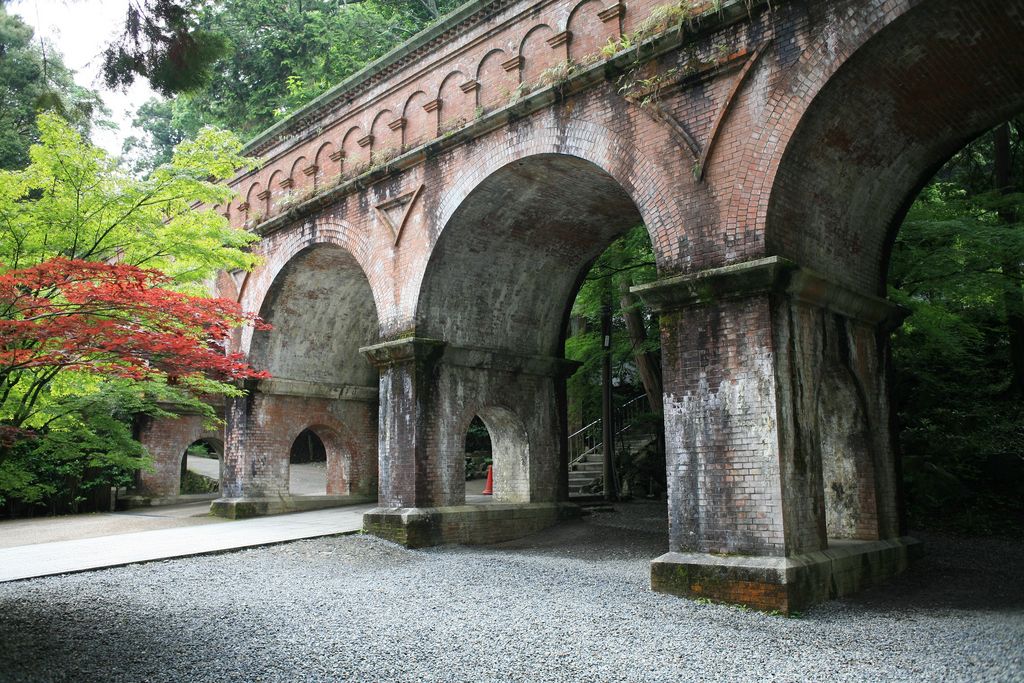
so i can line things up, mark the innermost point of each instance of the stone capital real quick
(400, 351)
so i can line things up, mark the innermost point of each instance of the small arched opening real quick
(307, 465)
(201, 467)
(479, 456)
(499, 441)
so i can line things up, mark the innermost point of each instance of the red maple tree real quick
(111, 319)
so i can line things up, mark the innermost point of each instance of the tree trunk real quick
(1013, 299)
(646, 362)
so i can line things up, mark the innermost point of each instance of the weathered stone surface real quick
(252, 506)
(784, 584)
(454, 205)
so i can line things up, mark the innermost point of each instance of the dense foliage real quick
(99, 314)
(629, 260)
(956, 265)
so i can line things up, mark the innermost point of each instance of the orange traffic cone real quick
(489, 487)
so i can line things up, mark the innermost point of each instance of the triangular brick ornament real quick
(395, 211)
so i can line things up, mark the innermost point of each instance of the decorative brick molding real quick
(559, 39)
(612, 12)
(512, 64)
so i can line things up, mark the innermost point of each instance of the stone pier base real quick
(467, 524)
(242, 508)
(785, 584)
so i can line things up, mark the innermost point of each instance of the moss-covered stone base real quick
(784, 584)
(242, 508)
(466, 524)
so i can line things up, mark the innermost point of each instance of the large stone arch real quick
(282, 247)
(870, 119)
(533, 226)
(315, 294)
(513, 242)
(644, 180)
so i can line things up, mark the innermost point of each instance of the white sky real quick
(80, 29)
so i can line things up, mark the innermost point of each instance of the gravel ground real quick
(569, 604)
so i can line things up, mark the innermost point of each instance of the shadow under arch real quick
(321, 311)
(512, 255)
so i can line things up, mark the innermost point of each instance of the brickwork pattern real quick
(166, 441)
(798, 130)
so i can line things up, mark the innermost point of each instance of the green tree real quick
(161, 135)
(178, 45)
(73, 202)
(629, 260)
(279, 56)
(33, 78)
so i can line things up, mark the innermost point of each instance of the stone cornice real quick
(278, 386)
(460, 21)
(770, 275)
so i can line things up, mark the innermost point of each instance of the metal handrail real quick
(590, 438)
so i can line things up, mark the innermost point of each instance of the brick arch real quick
(256, 206)
(340, 445)
(495, 82)
(296, 173)
(274, 185)
(166, 441)
(593, 142)
(281, 248)
(355, 155)
(326, 167)
(456, 105)
(420, 124)
(384, 138)
(587, 32)
(875, 124)
(510, 448)
(536, 54)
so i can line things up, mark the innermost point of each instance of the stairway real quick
(586, 448)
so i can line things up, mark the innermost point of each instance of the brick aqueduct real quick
(435, 213)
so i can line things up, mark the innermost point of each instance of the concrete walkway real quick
(82, 554)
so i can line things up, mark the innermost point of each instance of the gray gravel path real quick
(570, 604)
